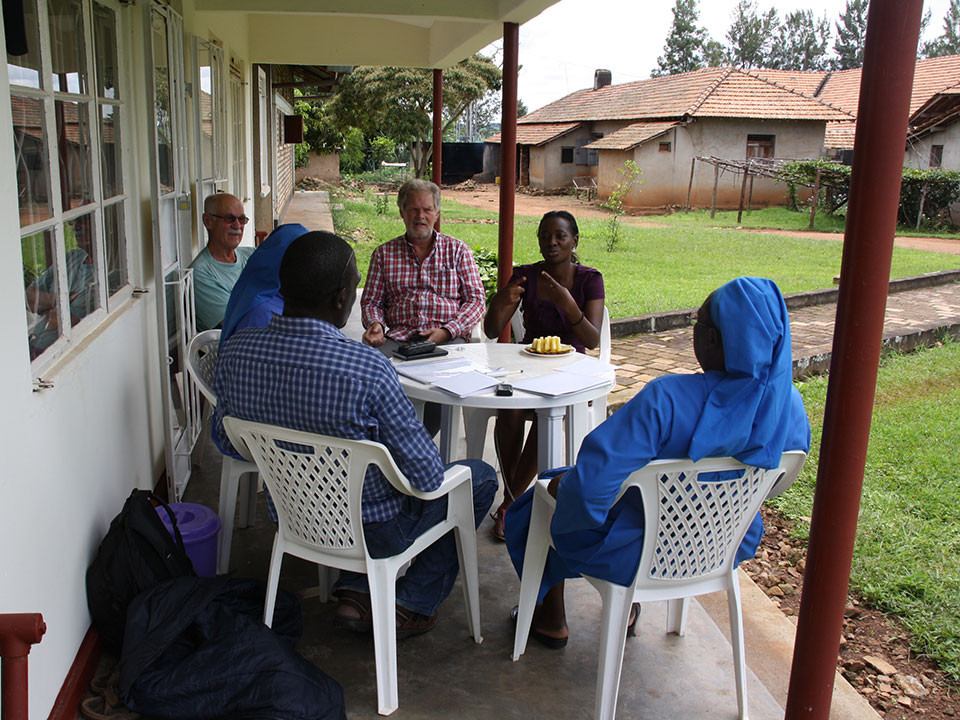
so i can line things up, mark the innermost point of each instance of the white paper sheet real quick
(430, 372)
(557, 384)
(466, 383)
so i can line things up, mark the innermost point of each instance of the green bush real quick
(301, 154)
(487, 263)
(352, 155)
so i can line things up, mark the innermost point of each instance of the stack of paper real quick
(557, 384)
(430, 372)
(465, 383)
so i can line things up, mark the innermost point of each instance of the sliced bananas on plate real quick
(549, 345)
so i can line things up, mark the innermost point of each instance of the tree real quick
(715, 54)
(683, 50)
(949, 42)
(802, 42)
(751, 35)
(396, 102)
(851, 32)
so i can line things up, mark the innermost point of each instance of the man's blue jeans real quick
(429, 579)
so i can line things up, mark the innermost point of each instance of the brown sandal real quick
(410, 623)
(497, 529)
(354, 612)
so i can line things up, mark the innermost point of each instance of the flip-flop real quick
(359, 603)
(554, 643)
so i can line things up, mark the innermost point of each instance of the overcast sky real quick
(560, 49)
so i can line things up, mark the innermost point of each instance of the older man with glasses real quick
(217, 267)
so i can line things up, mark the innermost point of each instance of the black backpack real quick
(136, 553)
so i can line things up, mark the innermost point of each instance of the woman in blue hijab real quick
(256, 296)
(743, 405)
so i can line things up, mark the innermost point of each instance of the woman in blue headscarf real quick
(743, 405)
(256, 296)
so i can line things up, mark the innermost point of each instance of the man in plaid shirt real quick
(302, 372)
(423, 284)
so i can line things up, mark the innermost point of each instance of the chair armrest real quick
(452, 477)
(542, 493)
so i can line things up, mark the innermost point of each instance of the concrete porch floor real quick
(444, 673)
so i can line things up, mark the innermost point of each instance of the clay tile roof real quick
(538, 133)
(711, 92)
(931, 76)
(744, 94)
(631, 135)
(804, 81)
(840, 135)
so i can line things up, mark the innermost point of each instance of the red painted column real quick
(437, 130)
(18, 631)
(508, 157)
(893, 28)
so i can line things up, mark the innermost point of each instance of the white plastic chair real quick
(475, 420)
(237, 477)
(693, 531)
(316, 482)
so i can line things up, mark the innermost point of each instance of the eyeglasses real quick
(231, 219)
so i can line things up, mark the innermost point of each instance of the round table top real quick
(510, 357)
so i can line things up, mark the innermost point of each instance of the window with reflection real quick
(161, 79)
(73, 241)
(24, 70)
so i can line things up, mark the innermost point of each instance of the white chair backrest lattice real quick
(700, 521)
(202, 361)
(696, 514)
(316, 482)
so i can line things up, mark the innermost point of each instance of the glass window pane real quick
(105, 51)
(205, 71)
(25, 69)
(82, 264)
(115, 243)
(161, 79)
(40, 290)
(30, 139)
(67, 51)
(111, 172)
(73, 139)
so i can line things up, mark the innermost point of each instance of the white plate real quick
(564, 350)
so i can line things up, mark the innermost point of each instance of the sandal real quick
(632, 624)
(96, 707)
(497, 529)
(410, 623)
(353, 612)
(554, 643)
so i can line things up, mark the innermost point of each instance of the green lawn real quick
(907, 555)
(655, 268)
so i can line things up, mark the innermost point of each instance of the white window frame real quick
(215, 181)
(71, 334)
(238, 136)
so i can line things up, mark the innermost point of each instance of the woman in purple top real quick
(561, 297)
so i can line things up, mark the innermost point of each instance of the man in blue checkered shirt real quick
(302, 372)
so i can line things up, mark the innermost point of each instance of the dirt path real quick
(487, 197)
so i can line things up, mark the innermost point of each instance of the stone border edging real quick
(658, 322)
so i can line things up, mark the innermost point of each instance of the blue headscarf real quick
(260, 280)
(750, 406)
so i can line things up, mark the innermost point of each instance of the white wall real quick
(72, 453)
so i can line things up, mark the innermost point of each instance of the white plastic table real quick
(550, 410)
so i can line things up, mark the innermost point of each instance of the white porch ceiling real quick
(413, 33)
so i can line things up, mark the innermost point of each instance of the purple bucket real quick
(199, 527)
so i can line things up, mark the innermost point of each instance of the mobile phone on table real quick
(504, 390)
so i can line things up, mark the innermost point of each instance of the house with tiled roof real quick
(662, 124)
(933, 137)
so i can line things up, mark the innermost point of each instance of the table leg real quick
(448, 434)
(578, 425)
(550, 437)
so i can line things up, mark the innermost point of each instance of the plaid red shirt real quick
(408, 296)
